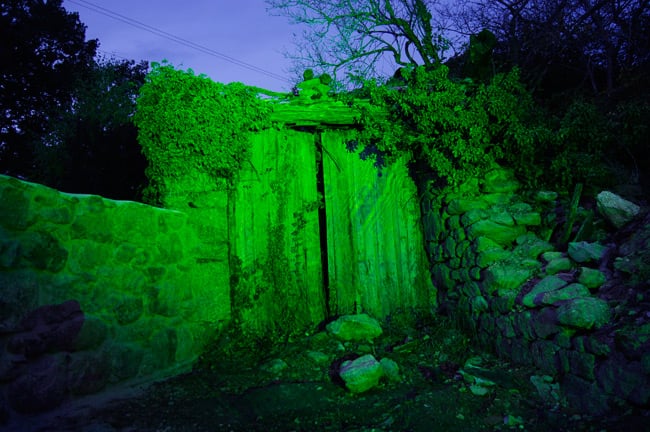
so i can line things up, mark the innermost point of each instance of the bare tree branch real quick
(351, 37)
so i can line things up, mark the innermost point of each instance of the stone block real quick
(530, 246)
(129, 309)
(583, 252)
(20, 289)
(616, 210)
(492, 256)
(551, 255)
(355, 327)
(582, 364)
(450, 247)
(523, 325)
(497, 198)
(43, 251)
(458, 206)
(543, 353)
(501, 234)
(361, 374)
(503, 277)
(564, 338)
(478, 305)
(505, 326)
(546, 197)
(584, 313)
(442, 276)
(568, 292)
(620, 377)
(480, 244)
(584, 396)
(391, 369)
(549, 283)
(470, 289)
(453, 223)
(545, 322)
(528, 218)
(473, 216)
(124, 359)
(47, 328)
(504, 303)
(501, 217)
(591, 278)
(558, 265)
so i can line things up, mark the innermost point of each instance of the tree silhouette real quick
(43, 54)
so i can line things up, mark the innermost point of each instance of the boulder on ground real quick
(616, 210)
(359, 327)
(361, 374)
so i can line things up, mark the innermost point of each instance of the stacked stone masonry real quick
(97, 292)
(528, 302)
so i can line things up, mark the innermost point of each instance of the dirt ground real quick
(293, 386)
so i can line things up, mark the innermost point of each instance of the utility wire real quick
(177, 39)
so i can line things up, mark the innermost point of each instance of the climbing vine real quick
(190, 122)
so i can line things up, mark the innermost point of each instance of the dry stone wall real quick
(530, 303)
(97, 292)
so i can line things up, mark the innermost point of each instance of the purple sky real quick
(241, 29)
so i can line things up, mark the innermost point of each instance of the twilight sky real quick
(239, 29)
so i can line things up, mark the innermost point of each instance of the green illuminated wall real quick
(150, 284)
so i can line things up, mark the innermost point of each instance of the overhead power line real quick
(142, 26)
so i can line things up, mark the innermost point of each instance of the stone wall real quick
(96, 292)
(534, 305)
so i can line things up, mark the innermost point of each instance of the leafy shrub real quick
(190, 122)
(458, 127)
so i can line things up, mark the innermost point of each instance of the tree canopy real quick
(43, 53)
(92, 147)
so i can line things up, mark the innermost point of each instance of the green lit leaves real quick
(458, 127)
(190, 122)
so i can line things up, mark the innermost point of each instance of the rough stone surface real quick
(549, 283)
(582, 252)
(591, 278)
(361, 374)
(616, 210)
(584, 313)
(391, 369)
(558, 265)
(359, 327)
(503, 277)
(564, 329)
(500, 234)
(96, 291)
(575, 290)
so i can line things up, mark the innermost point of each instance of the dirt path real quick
(242, 388)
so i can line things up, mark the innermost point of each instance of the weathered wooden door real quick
(315, 230)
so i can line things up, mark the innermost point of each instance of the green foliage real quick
(188, 122)
(459, 128)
